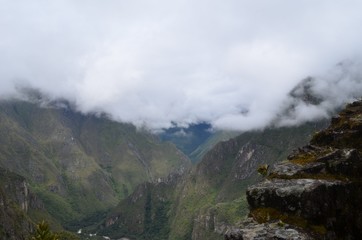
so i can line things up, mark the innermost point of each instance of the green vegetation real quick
(212, 195)
(67, 236)
(156, 220)
(219, 136)
(43, 232)
(82, 166)
(79, 166)
(196, 140)
(263, 169)
(187, 139)
(323, 176)
(215, 189)
(146, 216)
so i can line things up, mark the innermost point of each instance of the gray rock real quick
(288, 169)
(251, 230)
(305, 197)
(348, 163)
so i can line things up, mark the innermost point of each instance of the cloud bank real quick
(154, 63)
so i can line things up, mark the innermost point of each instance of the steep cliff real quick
(79, 165)
(16, 204)
(203, 202)
(145, 214)
(317, 193)
(213, 196)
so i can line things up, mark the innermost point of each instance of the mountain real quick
(211, 196)
(79, 165)
(196, 139)
(218, 136)
(89, 172)
(317, 193)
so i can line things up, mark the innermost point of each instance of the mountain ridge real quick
(203, 202)
(79, 165)
(155, 191)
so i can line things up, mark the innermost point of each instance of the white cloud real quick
(230, 63)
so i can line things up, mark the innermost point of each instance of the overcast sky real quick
(231, 63)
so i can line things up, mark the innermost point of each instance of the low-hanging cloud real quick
(319, 97)
(156, 63)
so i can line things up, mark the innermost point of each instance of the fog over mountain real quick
(153, 63)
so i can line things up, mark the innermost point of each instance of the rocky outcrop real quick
(15, 201)
(250, 229)
(317, 193)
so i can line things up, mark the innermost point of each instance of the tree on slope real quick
(43, 232)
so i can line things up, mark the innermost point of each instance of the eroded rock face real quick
(251, 230)
(290, 169)
(329, 203)
(15, 201)
(317, 194)
(345, 129)
(291, 195)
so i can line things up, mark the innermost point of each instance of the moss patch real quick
(304, 158)
(322, 176)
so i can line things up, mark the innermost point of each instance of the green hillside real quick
(213, 196)
(196, 139)
(218, 136)
(80, 165)
(85, 168)
(202, 203)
